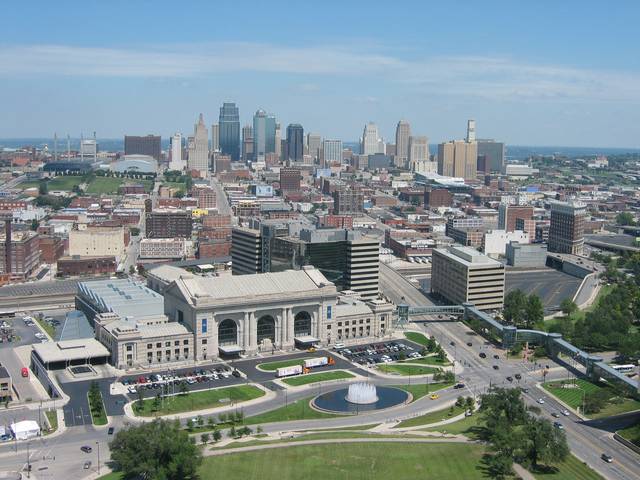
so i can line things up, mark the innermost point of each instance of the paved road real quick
(221, 198)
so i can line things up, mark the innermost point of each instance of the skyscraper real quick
(566, 231)
(143, 145)
(229, 124)
(199, 147)
(403, 132)
(264, 134)
(314, 143)
(277, 142)
(295, 143)
(370, 139)
(332, 151)
(175, 162)
(458, 158)
(247, 143)
(215, 137)
(493, 152)
(419, 155)
(471, 131)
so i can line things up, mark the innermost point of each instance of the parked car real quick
(497, 357)
(469, 344)
(510, 379)
(496, 367)
(236, 373)
(24, 371)
(518, 376)
(434, 396)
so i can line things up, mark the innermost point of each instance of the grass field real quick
(64, 183)
(431, 417)
(182, 187)
(52, 417)
(632, 434)
(406, 369)
(465, 427)
(431, 360)
(105, 185)
(369, 461)
(573, 397)
(273, 366)
(316, 377)
(298, 410)
(570, 469)
(420, 390)
(199, 400)
(416, 337)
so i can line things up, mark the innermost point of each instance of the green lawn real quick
(199, 400)
(111, 476)
(182, 187)
(298, 410)
(50, 329)
(317, 377)
(101, 418)
(105, 185)
(273, 366)
(370, 461)
(52, 417)
(631, 433)
(416, 337)
(431, 417)
(431, 360)
(465, 427)
(406, 369)
(420, 390)
(64, 182)
(573, 397)
(570, 469)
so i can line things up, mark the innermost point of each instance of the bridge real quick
(509, 336)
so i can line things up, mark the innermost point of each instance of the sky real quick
(530, 73)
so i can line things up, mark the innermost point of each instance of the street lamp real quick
(98, 447)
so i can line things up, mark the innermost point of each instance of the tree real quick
(183, 388)
(200, 421)
(158, 449)
(190, 424)
(132, 269)
(470, 404)
(568, 306)
(43, 188)
(204, 438)
(442, 356)
(595, 401)
(211, 423)
(217, 435)
(232, 432)
(34, 224)
(514, 305)
(534, 311)
(140, 400)
(543, 442)
(625, 218)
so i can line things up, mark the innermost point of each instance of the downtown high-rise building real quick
(471, 131)
(458, 158)
(247, 143)
(278, 142)
(175, 153)
(215, 137)
(264, 134)
(143, 145)
(494, 153)
(566, 230)
(295, 143)
(403, 132)
(198, 158)
(419, 155)
(332, 151)
(370, 142)
(314, 145)
(229, 124)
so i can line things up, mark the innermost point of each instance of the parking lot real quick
(552, 286)
(381, 352)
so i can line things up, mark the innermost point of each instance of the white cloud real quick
(480, 77)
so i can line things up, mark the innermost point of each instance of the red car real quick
(25, 372)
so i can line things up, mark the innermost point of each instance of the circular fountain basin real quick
(336, 401)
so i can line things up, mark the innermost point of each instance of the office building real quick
(566, 231)
(295, 143)
(21, 253)
(264, 135)
(175, 153)
(332, 151)
(508, 216)
(246, 251)
(458, 158)
(314, 145)
(277, 143)
(418, 153)
(206, 198)
(215, 137)
(247, 143)
(162, 248)
(229, 125)
(168, 223)
(403, 133)
(348, 200)
(370, 140)
(437, 197)
(494, 153)
(462, 274)
(471, 131)
(495, 241)
(145, 145)
(531, 255)
(6, 389)
(198, 158)
(289, 179)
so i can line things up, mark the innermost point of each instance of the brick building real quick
(51, 248)
(73, 266)
(437, 197)
(168, 224)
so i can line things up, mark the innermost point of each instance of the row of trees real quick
(515, 434)
(95, 401)
(523, 311)
(432, 346)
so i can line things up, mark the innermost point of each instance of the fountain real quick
(362, 393)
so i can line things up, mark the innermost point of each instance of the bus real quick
(624, 368)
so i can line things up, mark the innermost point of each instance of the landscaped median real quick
(595, 400)
(309, 378)
(96, 405)
(273, 366)
(194, 401)
(406, 370)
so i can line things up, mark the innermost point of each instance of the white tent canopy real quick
(25, 429)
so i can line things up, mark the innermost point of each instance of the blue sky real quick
(530, 73)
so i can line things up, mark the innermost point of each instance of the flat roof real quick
(229, 349)
(69, 350)
(306, 339)
(468, 256)
(126, 297)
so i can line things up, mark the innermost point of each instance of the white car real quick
(132, 389)
(225, 374)
(541, 401)
(566, 413)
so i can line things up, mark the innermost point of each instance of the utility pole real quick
(28, 461)
(98, 445)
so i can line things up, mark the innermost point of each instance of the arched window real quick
(266, 328)
(302, 324)
(228, 332)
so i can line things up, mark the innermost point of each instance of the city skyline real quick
(522, 87)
